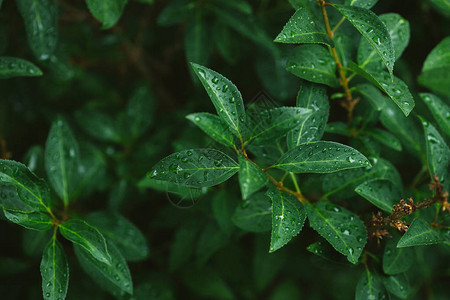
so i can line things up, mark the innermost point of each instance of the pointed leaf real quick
(373, 30)
(62, 156)
(33, 191)
(195, 167)
(225, 96)
(361, 3)
(385, 138)
(198, 38)
(288, 217)
(420, 233)
(10, 200)
(88, 237)
(108, 12)
(41, 24)
(381, 193)
(15, 67)
(251, 178)
(343, 229)
(30, 220)
(370, 287)
(396, 260)
(54, 271)
(213, 126)
(397, 285)
(313, 63)
(321, 157)
(439, 110)
(301, 29)
(254, 214)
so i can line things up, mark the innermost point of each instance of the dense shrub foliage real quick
(224, 149)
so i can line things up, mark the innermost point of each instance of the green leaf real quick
(15, 67)
(442, 6)
(54, 271)
(223, 208)
(265, 266)
(275, 123)
(385, 138)
(41, 24)
(398, 29)
(225, 96)
(239, 5)
(373, 30)
(198, 39)
(207, 283)
(286, 290)
(88, 237)
(436, 68)
(396, 89)
(397, 285)
(321, 157)
(381, 193)
(30, 220)
(33, 191)
(313, 63)
(98, 125)
(251, 178)
(288, 217)
(396, 260)
(213, 126)
(62, 156)
(370, 287)
(420, 233)
(338, 128)
(184, 244)
(345, 47)
(361, 3)
(254, 214)
(10, 200)
(108, 12)
(301, 29)
(195, 167)
(114, 277)
(372, 94)
(343, 229)
(311, 129)
(439, 110)
(210, 240)
(438, 153)
(175, 12)
(127, 237)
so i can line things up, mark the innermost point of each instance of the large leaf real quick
(33, 191)
(195, 167)
(321, 157)
(275, 123)
(381, 193)
(114, 278)
(373, 30)
(213, 126)
(30, 220)
(313, 63)
(301, 29)
(54, 271)
(421, 233)
(370, 287)
(288, 217)
(396, 260)
(439, 110)
(254, 214)
(41, 25)
(127, 237)
(88, 237)
(343, 229)
(108, 12)
(62, 156)
(225, 96)
(314, 97)
(251, 177)
(15, 67)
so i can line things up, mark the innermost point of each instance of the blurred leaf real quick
(439, 110)
(442, 6)
(397, 285)
(385, 138)
(338, 128)
(223, 207)
(99, 125)
(34, 160)
(108, 12)
(54, 271)
(370, 287)
(213, 126)
(372, 94)
(265, 265)
(396, 260)
(254, 214)
(210, 240)
(184, 244)
(239, 5)
(381, 193)
(175, 12)
(361, 3)
(15, 67)
(11, 266)
(34, 242)
(207, 283)
(198, 39)
(30, 220)
(286, 290)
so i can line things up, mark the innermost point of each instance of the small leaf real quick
(420, 233)
(381, 193)
(385, 138)
(251, 178)
(62, 156)
(30, 220)
(361, 3)
(213, 126)
(288, 217)
(33, 191)
(343, 229)
(195, 167)
(114, 277)
(127, 237)
(301, 29)
(225, 96)
(397, 285)
(254, 214)
(370, 287)
(15, 67)
(373, 30)
(41, 24)
(98, 125)
(321, 157)
(88, 237)
(439, 110)
(108, 12)
(396, 260)
(54, 271)
(313, 63)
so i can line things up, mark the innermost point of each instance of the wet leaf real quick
(108, 12)
(421, 233)
(251, 178)
(370, 287)
(397, 285)
(381, 193)
(15, 67)
(54, 271)
(30, 220)
(361, 3)
(396, 260)
(439, 110)
(213, 126)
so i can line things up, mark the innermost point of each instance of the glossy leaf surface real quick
(370, 287)
(15, 67)
(10, 200)
(251, 178)
(107, 12)
(361, 3)
(381, 193)
(420, 233)
(30, 220)
(54, 271)
(213, 126)
(439, 110)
